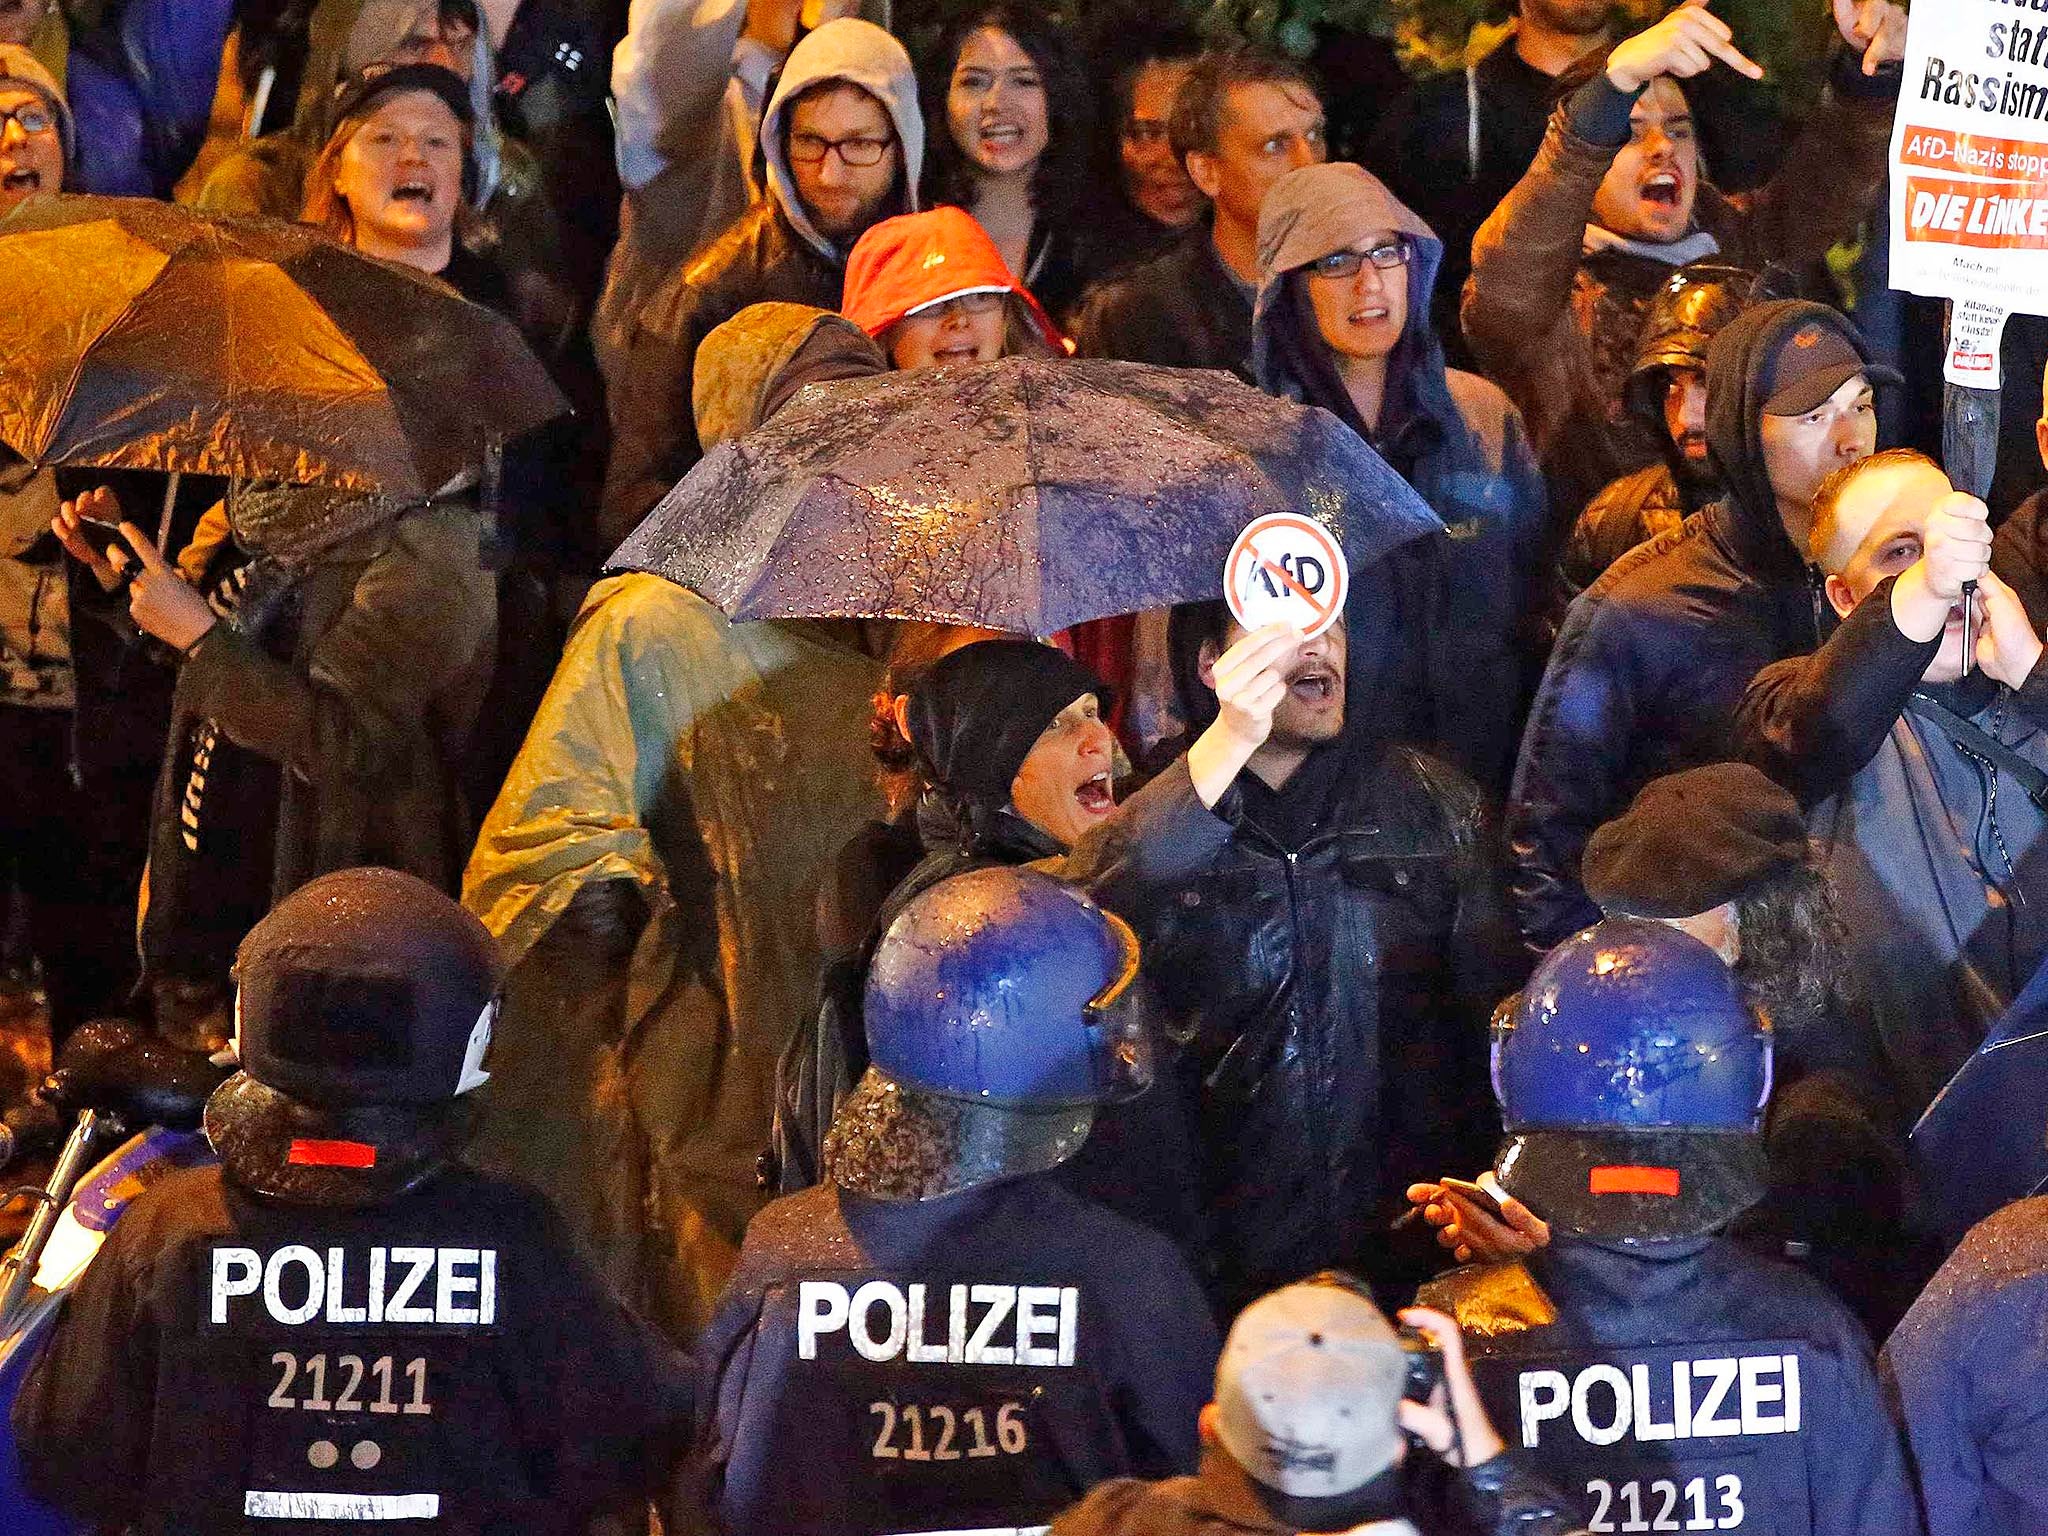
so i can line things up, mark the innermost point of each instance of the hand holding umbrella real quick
(161, 602)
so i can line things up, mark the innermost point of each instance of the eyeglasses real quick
(960, 304)
(33, 118)
(811, 149)
(1339, 265)
(1145, 132)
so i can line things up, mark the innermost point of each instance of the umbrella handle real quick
(163, 523)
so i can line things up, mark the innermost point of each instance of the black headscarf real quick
(975, 715)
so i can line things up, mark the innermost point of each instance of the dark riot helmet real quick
(1005, 987)
(366, 987)
(1632, 1079)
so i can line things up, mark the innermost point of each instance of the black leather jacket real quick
(1334, 1000)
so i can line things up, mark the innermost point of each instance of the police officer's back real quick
(1671, 1378)
(940, 1337)
(339, 1324)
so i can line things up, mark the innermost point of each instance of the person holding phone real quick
(1646, 1361)
(1314, 1426)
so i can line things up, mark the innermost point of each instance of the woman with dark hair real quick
(1012, 142)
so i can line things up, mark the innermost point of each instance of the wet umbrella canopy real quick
(1025, 495)
(145, 336)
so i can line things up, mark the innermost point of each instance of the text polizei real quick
(959, 1325)
(296, 1284)
(1688, 1400)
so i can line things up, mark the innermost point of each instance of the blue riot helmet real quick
(1632, 1079)
(1005, 987)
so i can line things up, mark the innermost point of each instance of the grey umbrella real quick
(1024, 495)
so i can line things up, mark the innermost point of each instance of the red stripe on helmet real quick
(331, 1154)
(1634, 1181)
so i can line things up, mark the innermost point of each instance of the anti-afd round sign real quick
(1286, 569)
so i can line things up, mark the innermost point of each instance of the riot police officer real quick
(1670, 1376)
(338, 1322)
(940, 1337)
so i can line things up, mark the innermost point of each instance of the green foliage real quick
(1435, 35)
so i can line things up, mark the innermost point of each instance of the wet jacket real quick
(1555, 315)
(1589, 1356)
(1965, 1370)
(1182, 309)
(370, 712)
(179, 1395)
(1118, 1362)
(773, 252)
(1450, 434)
(1654, 656)
(1933, 849)
(1633, 510)
(1333, 988)
(650, 869)
(1498, 1498)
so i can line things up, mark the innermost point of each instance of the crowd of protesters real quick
(1655, 840)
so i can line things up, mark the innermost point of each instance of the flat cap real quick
(1693, 840)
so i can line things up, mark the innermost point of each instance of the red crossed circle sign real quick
(1286, 569)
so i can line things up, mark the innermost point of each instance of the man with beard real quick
(1331, 969)
(844, 147)
(1564, 268)
(1667, 393)
(1241, 120)
(1655, 655)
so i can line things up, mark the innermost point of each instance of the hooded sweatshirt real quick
(1451, 434)
(1654, 656)
(859, 53)
(1681, 324)
(772, 253)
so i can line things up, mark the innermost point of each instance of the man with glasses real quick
(1241, 120)
(844, 146)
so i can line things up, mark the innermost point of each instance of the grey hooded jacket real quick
(772, 253)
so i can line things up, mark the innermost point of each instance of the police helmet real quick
(1632, 1079)
(1004, 986)
(366, 987)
